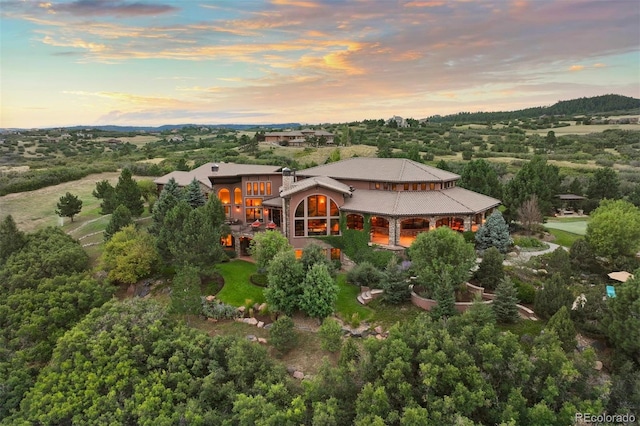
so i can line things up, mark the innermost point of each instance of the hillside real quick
(582, 106)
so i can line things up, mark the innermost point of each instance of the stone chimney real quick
(287, 178)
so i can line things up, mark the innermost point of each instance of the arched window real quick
(316, 215)
(225, 199)
(355, 221)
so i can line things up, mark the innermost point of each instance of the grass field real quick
(138, 141)
(320, 155)
(578, 227)
(238, 290)
(34, 210)
(347, 305)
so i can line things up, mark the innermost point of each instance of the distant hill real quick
(180, 126)
(582, 106)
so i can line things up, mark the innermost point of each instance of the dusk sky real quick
(91, 62)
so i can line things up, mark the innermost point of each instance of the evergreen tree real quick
(622, 320)
(535, 177)
(168, 199)
(185, 291)
(313, 254)
(171, 230)
(11, 238)
(120, 218)
(445, 296)
(561, 323)
(491, 270)
(395, 286)
(604, 183)
(319, 292)
(193, 194)
(107, 193)
(504, 305)
(128, 193)
(494, 233)
(330, 335)
(552, 297)
(69, 205)
(282, 334)
(285, 275)
(480, 176)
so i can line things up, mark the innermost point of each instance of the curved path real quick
(524, 256)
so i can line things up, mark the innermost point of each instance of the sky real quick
(138, 62)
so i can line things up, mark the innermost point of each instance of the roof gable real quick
(322, 181)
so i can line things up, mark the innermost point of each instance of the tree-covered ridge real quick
(592, 105)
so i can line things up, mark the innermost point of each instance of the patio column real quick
(394, 231)
(467, 223)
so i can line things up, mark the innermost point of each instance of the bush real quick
(231, 253)
(529, 242)
(282, 335)
(491, 271)
(261, 280)
(218, 310)
(526, 292)
(330, 335)
(365, 274)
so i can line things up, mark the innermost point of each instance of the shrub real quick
(552, 297)
(529, 242)
(231, 253)
(282, 335)
(491, 271)
(218, 310)
(526, 292)
(494, 232)
(365, 274)
(330, 335)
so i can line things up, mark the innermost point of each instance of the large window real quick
(225, 199)
(259, 188)
(316, 215)
(355, 221)
(253, 209)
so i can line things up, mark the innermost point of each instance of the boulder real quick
(210, 298)
(262, 340)
(250, 321)
(262, 307)
(378, 330)
(298, 375)
(251, 338)
(242, 309)
(598, 366)
(260, 324)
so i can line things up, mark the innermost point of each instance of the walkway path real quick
(524, 256)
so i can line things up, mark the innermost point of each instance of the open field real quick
(33, 210)
(319, 155)
(138, 141)
(584, 130)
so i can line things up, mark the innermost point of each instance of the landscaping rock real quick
(378, 330)
(260, 324)
(262, 307)
(210, 298)
(262, 340)
(242, 309)
(379, 337)
(598, 366)
(298, 375)
(212, 320)
(239, 320)
(251, 338)
(250, 321)
(291, 369)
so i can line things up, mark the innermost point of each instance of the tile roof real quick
(203, 173)
(381, 170)
(323, 181)
(418, 203)
(272, 202)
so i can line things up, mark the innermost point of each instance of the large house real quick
(298, 137)
(395, 199)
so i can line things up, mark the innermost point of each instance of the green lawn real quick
(564, 238)
(574, 226)
(238, 290)
(347, 304)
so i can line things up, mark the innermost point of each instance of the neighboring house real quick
(396, 199)
(298, 137)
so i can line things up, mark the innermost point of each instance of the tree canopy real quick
(536, 177)
(480, 176)
(266, 245)
(442, 251)
(614, 229)
(129, 255)
(494, 233)
(69, 205)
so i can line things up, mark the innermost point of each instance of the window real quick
(259, 188)
(394, 187)
(355, 221)
(376, 186)
(414, 187)
(237, 196)
(224, 196)
(423, 186)
(314, 217)
(253, 209)
(432, 186)
(406, 186)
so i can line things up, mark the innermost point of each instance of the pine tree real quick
(168, 199)
(107, 193)
(128, 193)
(561, 323)
(491, 271)
(504, 305)
(69, 205)
(282, 335)
(395, 286)
(11, 238)
(494, 233)
(193, 194)
(445, 296)
(552, 297)
(120, 218)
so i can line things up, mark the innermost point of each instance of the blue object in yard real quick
(611, 291)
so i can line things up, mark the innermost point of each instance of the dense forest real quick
(598, 105)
